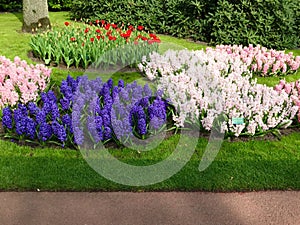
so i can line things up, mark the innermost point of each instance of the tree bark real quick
(35, 15)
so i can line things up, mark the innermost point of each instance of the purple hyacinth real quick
(92, 128)
(106, 120)
(51, 96)
(142, 126)
(157, 109)
(30, 128)
(147, 91)
(66, 90)
(59, 131)
(99, 124)
(67, 122)
(23, 109)
(78, 136)
(32, 107)
(7, 118)
(65, 103)
(40, 116)
(124, 95)
(107, 134)
(45, 131)
(121, 84)
(105, 91)
(20, 121)
(72, 83)
(115, 92)
(55, 114)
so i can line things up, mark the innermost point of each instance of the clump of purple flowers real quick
(46, 120)
(88, 111)
(115, 112)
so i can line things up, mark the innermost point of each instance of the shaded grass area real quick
(251, 165)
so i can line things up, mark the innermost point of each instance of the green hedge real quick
(10, 6)
(271, 23)
(16, 6)
(181, 18)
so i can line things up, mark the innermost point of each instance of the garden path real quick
(155, 208)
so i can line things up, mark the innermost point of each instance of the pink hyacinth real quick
(21, 82)
(288, 88)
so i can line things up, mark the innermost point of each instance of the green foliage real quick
(270, 23)
(181, 18)
(16, 5)
(10, 6)
(59, 5)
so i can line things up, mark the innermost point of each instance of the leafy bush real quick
(180, 18)
(59, 5)
(20, 82)
(87, 110)
(10, 6)
(270, 23)
(103, 45)
(16, 5)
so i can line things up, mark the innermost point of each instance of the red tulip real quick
(130, 27)
(86, 30)
(112, 38)
(73, 39)
(114, 25)
(153, 36)
(98, 31)
(108, 33)
(107, 26)
(97, 21)
(92, 39)
(140, 28)
(67, 23)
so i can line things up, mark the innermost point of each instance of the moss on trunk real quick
(42, 24)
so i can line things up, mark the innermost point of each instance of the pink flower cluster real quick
(261, 61)
(293, 90)
(20, 82)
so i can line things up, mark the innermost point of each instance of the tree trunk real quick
(35, 15)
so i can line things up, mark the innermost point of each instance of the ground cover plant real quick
(81, 45)
(249, 165)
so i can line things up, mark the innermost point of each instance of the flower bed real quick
(81, 45)
(21, 82)
(203, 85)
(262, 61)
(293, 90)
(87, 111)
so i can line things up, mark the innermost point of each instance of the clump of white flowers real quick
(205, 84)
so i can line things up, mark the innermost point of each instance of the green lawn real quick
(249, 165)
